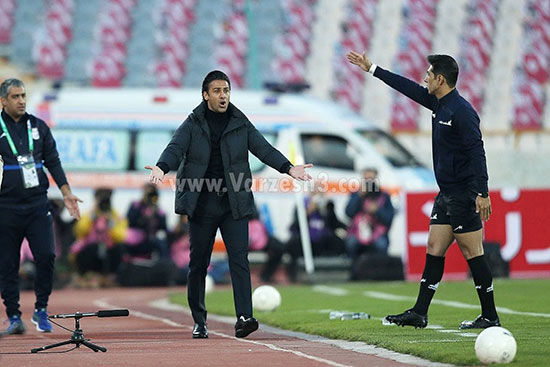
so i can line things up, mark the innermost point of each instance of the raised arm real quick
(411, 89)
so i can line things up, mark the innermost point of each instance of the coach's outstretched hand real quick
(299, 172)
(157, 175)
(359, 59)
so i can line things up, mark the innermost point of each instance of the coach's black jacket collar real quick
(236, 120)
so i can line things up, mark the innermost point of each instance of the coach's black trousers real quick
(213, 212)
(35, 224)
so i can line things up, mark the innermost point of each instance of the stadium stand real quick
(496, 113)
(376, 101)
(357, 33)
(7, 9)
(79, 50)
(209, 14)
(231, 46)
(415, 44)
(112, 35)
(52, 38)
(329, 14)
(265, 21)
(476, 52)
(26, 12)
(535, 65)
(173, 31)
(292, 45)
(142, 49)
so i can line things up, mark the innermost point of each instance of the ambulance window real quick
(326, 151)
(390, 148)
(255, 164)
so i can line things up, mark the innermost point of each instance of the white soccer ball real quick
(208, 284)
(495, 345)
(266, 298)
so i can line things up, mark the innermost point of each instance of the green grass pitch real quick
(306, 309)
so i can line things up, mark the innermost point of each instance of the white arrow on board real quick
(513, 236)
(541, 256)
(420, 238)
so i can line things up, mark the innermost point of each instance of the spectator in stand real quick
(261, 240)
(100, 238)
(63, 229)
(324, 228)
(371, 213)
(180, 249)
(147, 226)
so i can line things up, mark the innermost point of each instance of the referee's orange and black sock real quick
(483, 281)
(433, 272)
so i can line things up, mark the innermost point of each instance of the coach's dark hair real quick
(211, 76)
(444, 65)
(8, 84)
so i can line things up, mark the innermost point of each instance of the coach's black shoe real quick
(200, 332)
(479, 323)
(408, 318)
(245, 326)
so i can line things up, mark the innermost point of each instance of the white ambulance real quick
(106, 136)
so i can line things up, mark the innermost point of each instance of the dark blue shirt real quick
(458, 153)
(12, 191)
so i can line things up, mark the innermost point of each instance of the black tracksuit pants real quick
(213, 212)
(35, 224)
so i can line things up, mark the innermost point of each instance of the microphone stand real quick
(77, 338)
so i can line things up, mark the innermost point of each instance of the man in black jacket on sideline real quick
(27, 146)
(214, 189)
(461, 174)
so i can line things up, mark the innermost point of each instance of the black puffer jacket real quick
(189, 153)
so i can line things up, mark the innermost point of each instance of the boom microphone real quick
(103, 313)
(112, 313)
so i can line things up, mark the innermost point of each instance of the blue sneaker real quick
(40, 319)
(16, 325)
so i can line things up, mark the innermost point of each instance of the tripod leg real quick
(66, 342)
(93, 346)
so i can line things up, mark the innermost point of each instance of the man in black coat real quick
(214, 189)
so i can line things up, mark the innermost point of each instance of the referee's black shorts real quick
(457, 209)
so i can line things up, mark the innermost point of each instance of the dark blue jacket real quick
(12, 192)
(458, 154)
(383, 215)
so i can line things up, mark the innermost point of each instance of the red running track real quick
(159, 337)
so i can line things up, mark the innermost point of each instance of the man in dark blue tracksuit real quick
(26, 147)
(461, 173)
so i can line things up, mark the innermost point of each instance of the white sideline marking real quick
(471, 335)
(358, 347)
(393, 297)
(437, 341)
(333, 291)
(163, 303)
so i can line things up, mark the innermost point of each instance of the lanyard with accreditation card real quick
(26, 161)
